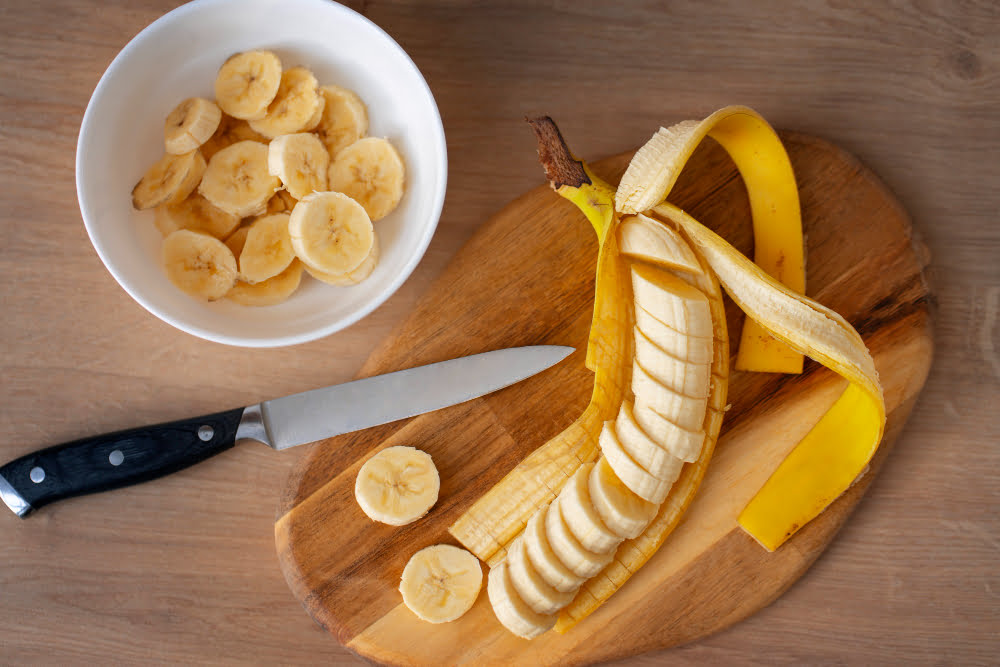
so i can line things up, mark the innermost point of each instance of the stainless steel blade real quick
(352, 406)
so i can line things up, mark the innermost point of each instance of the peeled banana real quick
(440, 583)
(397, 486)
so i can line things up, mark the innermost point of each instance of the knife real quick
(114, 460)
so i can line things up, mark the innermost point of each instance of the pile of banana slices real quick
(273, 178)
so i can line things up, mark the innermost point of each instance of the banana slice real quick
(231, 131)
(513, 612)
(300, 161)
(397, 486)
(625, 513)
(272, 291)
(247, 83)
(195, 213)
(190, 124)
(199, 264)
(583, 520)
(688, 412)
(678, 442)
(637, 434)
(672, 301)
(673, 373)
(267, 250)
(530, 585)
(440, 583)
(344, 119)
(317, 116)
(371, 172)
(643, 238)
(169, 181)
(237, 180)
(354, 276)
(541, 556)
(569, 551)
(293, 106)
(628, 471)
(693, 349)
(331, 232)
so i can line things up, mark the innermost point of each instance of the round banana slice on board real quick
(197, 214)
(397, 486)
(267, 250)
(294, 105)
(440, 583)
(272, 291)
(331, 232)
(513, 612)
(371, 172)
(190, 124)
(344, 119)
(237, 180)
(247, 84)
(169, 181)
(231, 130)
(351, 277)
(301, 161)
(199, 264)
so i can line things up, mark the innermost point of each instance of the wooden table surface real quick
(183, 570)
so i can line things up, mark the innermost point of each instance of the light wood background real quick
(183, 570)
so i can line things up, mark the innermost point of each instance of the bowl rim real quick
(391, 288)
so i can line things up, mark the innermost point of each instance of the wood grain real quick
(183, 570)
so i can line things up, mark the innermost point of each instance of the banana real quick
(540, 554)
(267, 250)
(169, 181)
(369, 171)
(672, 301)
(195, 213)
(247, 83)
(632, 475)
(693, 349)
(317, 116)
(583, 519)
(344, 119)
(440, 583)
(237, 240)
(625, 513)
(237, 180)
(642, 238)
(354, 276)
(231, 130)
(532, 586)
(270, 292)
(281, 202)
(673, 373)
(581, 561)
(688, 412)
(300, 161)
(190, 124)
(644, 445)
(677, 442)
(513, 612)
(397, 486)
(199, 264)
(331, 232)
(293, 106)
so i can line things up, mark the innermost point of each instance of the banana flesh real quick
(397, 486)
(536, 543)
(354, 276)
(369, 171)
(195, 213)
(530, 585)
(620, 509)
(300, 161)
(169, 181)
(270, 292)
(199, 264)
(247, 83)
(344, 119)
(293, 106)
(230, 131)
(331, 232)
(440, 583)
(511, 610)
(190, 124)
(582, 517)
(267, 250)
(237, 180)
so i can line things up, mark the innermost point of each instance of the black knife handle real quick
(114, 460)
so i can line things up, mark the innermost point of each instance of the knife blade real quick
(123, 458)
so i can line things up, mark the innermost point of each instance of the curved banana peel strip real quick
(838, 448)
(774, 205)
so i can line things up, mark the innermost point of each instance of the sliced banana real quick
(513, 612)
(272, 291)
(693, 349)
(621, 510)
(672, 301)
(677, 442)
(190, 124)
(169, 181)
(268, 248)
(397, 486)
(567, 548)
(530, 585)
(545, 561)
(300, 161)
(199, 264)
(631, 474)
(441, 583)
(646, 239)
(293, 106)
(681, 376)
(317, 116)
(331, 232)
(237, 240)
(583, 519)
(247, 83)
(237, 180)
(195, 213)
(344, 119)
(354, 276)
(231, 130)
(688, 412)
(371, 172)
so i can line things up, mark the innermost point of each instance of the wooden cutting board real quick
(527, 277)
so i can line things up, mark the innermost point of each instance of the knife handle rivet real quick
(205, 433)
(116, 457)
(37, 475)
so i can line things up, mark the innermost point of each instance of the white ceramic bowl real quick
(177, 57)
